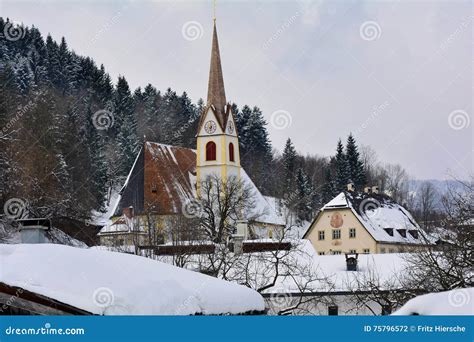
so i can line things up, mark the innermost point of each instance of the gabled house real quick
(364, 222)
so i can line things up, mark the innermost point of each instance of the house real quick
(49, 279)
(165, 180)
(364, 222)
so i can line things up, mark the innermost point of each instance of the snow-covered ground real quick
(454, 302)
(109, 283)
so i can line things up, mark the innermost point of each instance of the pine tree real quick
(123, 105)
(304, 200)
(342, 172)
(355, 165)
(289, 163)
(329, 189)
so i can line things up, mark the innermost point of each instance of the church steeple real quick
(216, 91)
(217, 141)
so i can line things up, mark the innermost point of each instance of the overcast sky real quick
(396, 74)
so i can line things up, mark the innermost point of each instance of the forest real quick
(70, 134)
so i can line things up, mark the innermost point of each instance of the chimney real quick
(34, 230)
(128, 212)
(240, 236)
(367, 189)
(238, 244)
(242, 228)
(351, 261)
(375, 189)
(350, 187)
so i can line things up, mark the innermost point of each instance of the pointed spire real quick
(216, 91)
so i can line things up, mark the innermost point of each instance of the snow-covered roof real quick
(108, 283)
(454, 302)
(331, 270)
(11, 235)
(384, 219)
(171, 171)
(123, 224)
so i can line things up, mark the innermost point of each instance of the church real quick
(164, 180)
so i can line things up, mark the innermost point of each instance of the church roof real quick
(163, 181)
(216, 99)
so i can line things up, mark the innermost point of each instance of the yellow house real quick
(355, 222)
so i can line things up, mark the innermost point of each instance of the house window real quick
(366, 250)
(321, 235)
(391, 250)
(382, 250)
(336, 252)
(321, 253)
(333, 310)
(211, 150)
(336, 234)
(352, 233)
(402, 232)
(386, 310)
(352, 251)
(231, 152)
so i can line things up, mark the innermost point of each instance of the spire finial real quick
(214, 8)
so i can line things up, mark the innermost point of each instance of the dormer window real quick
(389, 231)
(413, 233)
(402, 232)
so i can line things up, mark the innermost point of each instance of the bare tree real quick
(223, 203)
(448, 264)
(426, 204)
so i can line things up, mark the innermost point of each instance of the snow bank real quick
(108, 283)
(454, 302)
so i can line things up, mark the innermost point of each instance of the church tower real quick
(217, 139)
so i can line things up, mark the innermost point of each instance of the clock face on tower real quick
(210, 127)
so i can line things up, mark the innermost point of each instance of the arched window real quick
(211, 150)
(231, 152)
